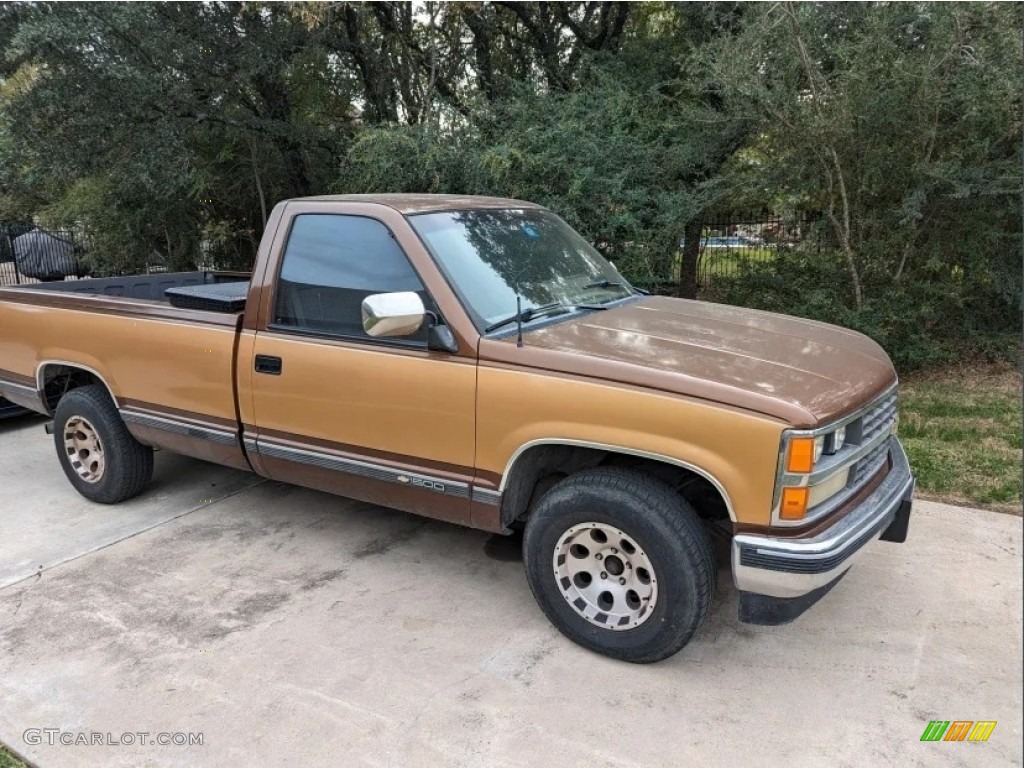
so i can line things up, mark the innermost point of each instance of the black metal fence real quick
(29, 254)
(728, 241)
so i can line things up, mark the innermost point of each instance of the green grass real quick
(962, 432)
(7, 760)
(719, 262)
(726, 262)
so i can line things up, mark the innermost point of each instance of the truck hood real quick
(801, 371)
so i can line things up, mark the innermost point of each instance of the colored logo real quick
(958, 730)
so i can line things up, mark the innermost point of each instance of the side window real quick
(331, 263)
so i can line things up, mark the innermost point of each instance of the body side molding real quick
(362, 468)
(486, 496)
(179, 426)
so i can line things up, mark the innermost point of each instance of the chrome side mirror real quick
(393, 314)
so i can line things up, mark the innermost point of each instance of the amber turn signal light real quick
(801, 455)
(794, 503)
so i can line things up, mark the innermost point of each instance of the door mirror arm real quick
(439, 336)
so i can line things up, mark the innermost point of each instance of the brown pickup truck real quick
(475, 360)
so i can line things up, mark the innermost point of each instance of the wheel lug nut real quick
(622, 581)
(599, 556)
(604, 575)
(615, 551)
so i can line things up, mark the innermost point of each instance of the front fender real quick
(736, 450)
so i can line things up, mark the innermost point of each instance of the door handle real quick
(268, 364)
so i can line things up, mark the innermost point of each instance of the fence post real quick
(690, 258)
(14, 261)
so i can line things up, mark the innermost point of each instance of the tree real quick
(184, 117)
(625, 141)
(170, 129)
(901, 121)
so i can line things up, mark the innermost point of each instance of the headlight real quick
(837, 440)
(795, 496)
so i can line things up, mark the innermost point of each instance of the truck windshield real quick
(491, 255)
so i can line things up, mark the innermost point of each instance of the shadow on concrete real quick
(22, 421)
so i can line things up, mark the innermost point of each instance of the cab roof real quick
(420, 203)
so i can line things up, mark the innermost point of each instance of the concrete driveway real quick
(293, 628)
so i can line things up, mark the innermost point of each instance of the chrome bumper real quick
(782, 577)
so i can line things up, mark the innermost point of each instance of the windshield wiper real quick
(527, 315)
(606, 284)
(629, 289)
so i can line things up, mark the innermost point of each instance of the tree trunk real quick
(691, 257)
(259, 183)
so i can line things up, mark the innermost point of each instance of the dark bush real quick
(919, 323)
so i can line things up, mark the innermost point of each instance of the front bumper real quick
(779, 578)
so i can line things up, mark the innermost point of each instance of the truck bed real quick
(159, 359)
(130, 295)
(151, 287)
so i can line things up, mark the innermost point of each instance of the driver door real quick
(382, 420)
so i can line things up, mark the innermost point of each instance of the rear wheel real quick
(99, 456)
(620, 564)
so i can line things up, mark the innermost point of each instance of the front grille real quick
(880, 418)
(866, 468)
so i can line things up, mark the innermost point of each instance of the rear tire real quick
(95, 449)
(620, 564)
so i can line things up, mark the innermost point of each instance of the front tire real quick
(620, 564)
(95, 449)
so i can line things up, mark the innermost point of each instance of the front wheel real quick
(97, 453)
(620, 564)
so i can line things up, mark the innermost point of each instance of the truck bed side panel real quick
(170, 370)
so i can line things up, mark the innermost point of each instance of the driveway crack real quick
(205, 505)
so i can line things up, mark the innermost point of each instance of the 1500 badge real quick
(422, 482)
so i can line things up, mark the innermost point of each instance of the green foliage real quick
(627, 158)
(920, 323)
(152, 124)
(902, 122)
(7, 760)
(168, 130)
